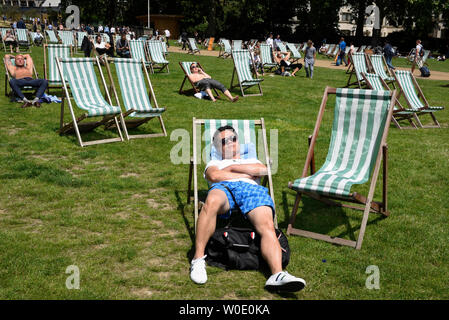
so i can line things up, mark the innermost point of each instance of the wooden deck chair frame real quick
(399, 113)
(194, 88)
(8, 77)
(76, 125)
(388, 72)
(52, 84)
(154, 65)
(426, 110)
(225, 51)
(192, 46)
(368, 205)
(242, 83)
(134, 123)
(193, 170)
(352, 70)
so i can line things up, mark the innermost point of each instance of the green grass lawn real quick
(118, 211)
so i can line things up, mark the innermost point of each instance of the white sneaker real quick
(283, 281)
(198, 270)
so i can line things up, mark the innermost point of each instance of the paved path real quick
(435, 75)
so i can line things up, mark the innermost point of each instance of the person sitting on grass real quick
(122, 47)
(239, 176)
(22, 75)
(205, 83)
(282, 58)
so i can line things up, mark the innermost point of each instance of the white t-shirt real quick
(270, 42)
(100, 45)
(167, 33)
(221, 164)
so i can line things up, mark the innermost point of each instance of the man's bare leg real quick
(210, 94)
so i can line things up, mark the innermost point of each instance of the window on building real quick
(346, 17)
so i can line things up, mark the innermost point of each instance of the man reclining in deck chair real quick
(239, 176)
(22, 76)
(205, 83)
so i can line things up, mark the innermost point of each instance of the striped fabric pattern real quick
(133, 88)
(227, 45)
(236, 44)
(408, 88)
(375, 82)
(137, 50)
(66, 37)
(193, 44)
(105, 37)
(358, 59)
(379, 67)
(245, 130)
(242, 60)
(22, 35)
(155, 49)
(56, 51)
(186, 66)
(359, 122)
(79, 37)
(266, 56)
(51, 34)
(80, 75)
(4, 31)
(296, 54)
(281, 46)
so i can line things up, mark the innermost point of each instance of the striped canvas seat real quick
(52, 36)
(157, 56)
(236, 44)
(242, 66)
(358, 66)
(359, 121)
(295, 53)
(267, 56)
(22, 35)
(137, 50)
(66, 37)
(192, 46)
(53, 51)
(281, 46)
(225, 48)
(377, 61)
(80, 75)
(133, 88)
(79, 38)
(253, 144)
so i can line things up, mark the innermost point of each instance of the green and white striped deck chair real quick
(243, 66)
(185, 66)
(66, 37)
(281, 46)
(22, 38)
(140, 104)
(8, 77)
(157, 56)
(266, 56)
(361, 49)
(414, 96)
(79, 38)
(253, 144)
(79, 75)
(192, 46)
(423, 60)
(52, 36)
(357, 148)
(296, 55)
(375, 82)
(357, 67)
(105, 37)
(138, 51)
(379, 65)
(334, 52)
(51, 73)
(237, 44)
(225, 49)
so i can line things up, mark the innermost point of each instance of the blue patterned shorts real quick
(247, 196)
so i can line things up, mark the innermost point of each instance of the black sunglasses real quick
(225, 141)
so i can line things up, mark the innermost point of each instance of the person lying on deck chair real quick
(282, 58)
(22, 76)
(205, 83)
(239, 176)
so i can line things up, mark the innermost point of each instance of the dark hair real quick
(216, 141)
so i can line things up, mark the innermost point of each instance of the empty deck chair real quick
(157, 57)
(138, 51)
(266, 56)
(140, 104)
(22, 39)
(51, 73)
(296, 55)
(375, 82)
(379, 65)
(356, 68)
(185, 66)
(225, 49)
(249, 138)
(52, 38)
(192, 46)
(67, 37)
(78, 74)
(243, 66)
(356, 150)
(415, 98)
